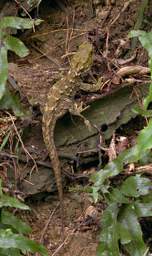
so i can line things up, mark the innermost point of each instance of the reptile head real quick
(82, 59)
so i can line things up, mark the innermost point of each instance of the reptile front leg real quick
(76, 110)
(91, 87)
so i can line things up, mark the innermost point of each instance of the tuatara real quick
(59, 101)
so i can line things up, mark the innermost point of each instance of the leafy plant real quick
(133, 199)
(120, 221)
(13, 241)
(11, 43)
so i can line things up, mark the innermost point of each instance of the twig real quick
(46, 55)
(22, 144)
(47, 224)
(24, 9)
(13, 160)
(62, 244)
(123, 10)
(144, 169)
(67, 37)
(72, 29)
(38, 35)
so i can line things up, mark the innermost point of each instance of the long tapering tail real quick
(48, 135)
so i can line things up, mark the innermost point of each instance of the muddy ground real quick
(65, 26)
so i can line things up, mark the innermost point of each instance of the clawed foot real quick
(77, 109)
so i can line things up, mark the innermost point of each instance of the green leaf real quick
(145, 38)
(5, 140)
(135, 186)
(16, 45)
(3, 70)
(130, 232)
(12, 101)
(144, 143)
(148, 99)
(117, 196)
(110, 170)
(150, 66)
(113, 168)
(7, 201)
(10, 240)
(95, 193)
(147, 199)
(10, 252)
(144, 139)
(143, 112)
(1, 192)
(8, 218)
(109, 236)
(146, 158)
(143, 209)
(18, 23)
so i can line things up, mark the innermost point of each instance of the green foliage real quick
(133, 199)
(5, 140)
(146, 40)
(11, 43)
(3, 70)
(18, 23)
(12, 101)
(120, 221)
(12, 230)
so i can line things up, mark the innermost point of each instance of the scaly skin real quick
(59, 101)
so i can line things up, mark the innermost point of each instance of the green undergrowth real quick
(121, 232)
(13, 231)
(9, 100)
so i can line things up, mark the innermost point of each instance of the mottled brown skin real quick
(59, 101)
